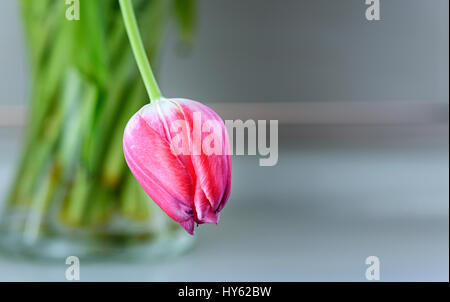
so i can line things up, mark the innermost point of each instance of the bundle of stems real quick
(85, 87)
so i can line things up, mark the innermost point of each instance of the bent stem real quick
(139, 51)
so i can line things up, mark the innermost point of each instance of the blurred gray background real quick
(363, 159)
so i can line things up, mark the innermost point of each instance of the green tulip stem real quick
(137, 46)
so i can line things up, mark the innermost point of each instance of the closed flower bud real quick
(179, 152)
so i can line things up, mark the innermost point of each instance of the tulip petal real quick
(188, 225)
(201, 203)
(213, 171)
(159, 172)
(212, 218)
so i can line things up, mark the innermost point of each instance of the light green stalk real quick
(131, 25)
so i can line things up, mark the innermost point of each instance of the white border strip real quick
(306, 113)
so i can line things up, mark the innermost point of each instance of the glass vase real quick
(73, 194)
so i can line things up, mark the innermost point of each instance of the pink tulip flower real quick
(179, 152)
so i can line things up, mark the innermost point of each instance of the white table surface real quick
(315, 216)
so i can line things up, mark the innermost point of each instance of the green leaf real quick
(184, 11)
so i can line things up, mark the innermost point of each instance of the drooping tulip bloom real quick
(179, 152)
